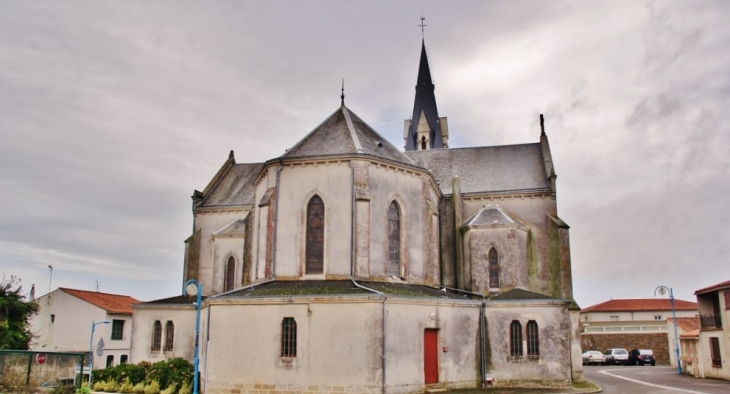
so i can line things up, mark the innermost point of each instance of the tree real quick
(15, 313)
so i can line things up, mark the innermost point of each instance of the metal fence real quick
(22, 368)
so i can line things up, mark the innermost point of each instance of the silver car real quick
(616, 356)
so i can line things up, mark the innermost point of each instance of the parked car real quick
(593, 357)
(641, 357)
(616, 356)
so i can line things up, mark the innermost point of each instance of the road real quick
(651, 380)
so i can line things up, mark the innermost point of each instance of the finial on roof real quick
(542, 124)
(422, 25)
(230, 155)
(342, 96)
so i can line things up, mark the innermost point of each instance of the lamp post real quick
(91, 347)
(194, 288)
(663, 290)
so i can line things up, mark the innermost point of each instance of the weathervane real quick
(342, 96)
(422, 25)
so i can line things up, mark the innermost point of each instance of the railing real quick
(618, 329)
(710, 321)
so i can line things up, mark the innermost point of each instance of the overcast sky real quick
(112, 113)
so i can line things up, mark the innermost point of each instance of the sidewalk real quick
(582, 388)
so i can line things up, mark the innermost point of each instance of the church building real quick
(348, 264)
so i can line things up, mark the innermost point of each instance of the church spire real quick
(425, 130)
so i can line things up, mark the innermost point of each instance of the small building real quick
(712, 341)
(633, 324)
(687, 327)
(63, 324)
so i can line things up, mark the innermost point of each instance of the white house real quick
(63, 324)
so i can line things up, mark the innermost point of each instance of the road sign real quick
(41, 358)
(100, 347)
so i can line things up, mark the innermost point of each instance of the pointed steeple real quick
(425, 110)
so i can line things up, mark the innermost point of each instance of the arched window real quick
(288, 337)
(393, 267)
(493, 269)
(533, 340)
(515, 338)
(230, 274)
(315, 236)
(156, 336)
(169, 335)
(423, 143)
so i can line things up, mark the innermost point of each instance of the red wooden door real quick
(430, 356)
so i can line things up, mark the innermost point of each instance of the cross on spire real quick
(422, 25)
(342, 96)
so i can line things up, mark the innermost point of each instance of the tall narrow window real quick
(156, 336)
(315, 236)
(493, 269)
(533, 339)
(230, 274)
(169, 335)
(393, 240)
(109, 361)
(117, 329)
(123, 359)
(288, 337)
(715, 352)
(515, 338)
(423, 143)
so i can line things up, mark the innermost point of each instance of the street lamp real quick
(663, 290)
(194, 288)
(91, 347)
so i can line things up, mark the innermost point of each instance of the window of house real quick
(109, 361)
(230, 274)
(515, 338)
(393, 240)
(315, 236)
(493, 269)
(715, 352)
(614, 318)
(288, 337)
(117, 329)
(123, 359)
(156, 336)
(657, 317)
(169, 335)
(533, 339)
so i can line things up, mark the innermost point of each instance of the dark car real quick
(641, 357)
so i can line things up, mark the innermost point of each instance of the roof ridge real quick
(94, 292)
(351, 127)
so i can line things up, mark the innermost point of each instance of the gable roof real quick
(112, 303)
(492, 216)
(344, 133)
(641, 304)
(487, 169)
(686, 323)
(235, 186)
(718, 286)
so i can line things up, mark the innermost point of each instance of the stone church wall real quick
(208, 223)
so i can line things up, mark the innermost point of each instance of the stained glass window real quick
(393, 240)
(315, 236)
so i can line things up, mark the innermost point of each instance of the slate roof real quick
(235, 187)
(649, 304)
(486, 169)
(425, 102)
(112, 303)
(303, 288)
(492, 215)
(233, 229)
(686, 323)
(520, 295)
(713, 287)
(181, 299)
(338, 136)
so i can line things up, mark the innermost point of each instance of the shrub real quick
(64, 389)
(152, 388)
(139, 388)
(127, 386)
(186, 388)
(83, 390)
(171, 389)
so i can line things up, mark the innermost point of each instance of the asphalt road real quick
(651, 380)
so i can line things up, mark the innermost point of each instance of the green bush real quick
(152, 388)
(127, 386)
(171, 389)
(63, 389)
(83, 390)
(186, 388)
(136, 378)
(139, 388)
(173, 371)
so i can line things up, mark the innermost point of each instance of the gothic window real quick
(515, 338)
(288, 337)
(230, 274)
(315, 236)
(423, 143)
(393, 240)
(493, 269)
(169, 335)
(533, 340)
(156, 336)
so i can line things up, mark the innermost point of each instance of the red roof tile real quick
(641, 304)
(686, 323)
(112, 303)
(713, 287)
(691, 334)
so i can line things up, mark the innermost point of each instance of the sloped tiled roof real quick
(486, 169)
(713, 287)
(235, 186)
(181, 299)
(686, 323)
(112, 303)
(641, 304)
(344, 133)
(691, 334)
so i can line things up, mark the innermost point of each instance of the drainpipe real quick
(482, 334)
(352, 218)
(382, 327)
(276, 218)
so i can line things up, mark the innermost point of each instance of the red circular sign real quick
(40, 358)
